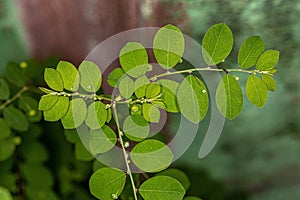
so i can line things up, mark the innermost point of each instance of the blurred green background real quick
(258, 154)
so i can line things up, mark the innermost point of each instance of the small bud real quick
(128, 161)
(121, 133)
(23, 65)
(32, 112)
(126, 145)
(134, 108)
(17, 140)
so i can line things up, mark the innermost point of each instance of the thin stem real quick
(208, 69)
(76, 94)
(14, 98)
(124, 151)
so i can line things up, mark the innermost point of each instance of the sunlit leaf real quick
(5, 194)
(267, 60)
(96, 115)
(47, 102)
(75, 115)
(257, 91)
(53, 79)
(58, 111)
(90, 76)
(178, 175)
(151, 113)
(69, 75)
(114, 77)
(102, 140)
(140, 86)
(126, 87)
(270, 82)
(153, 90)
(168, 95)
(136, 127)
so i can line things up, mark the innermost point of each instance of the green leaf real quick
(90, 76)
(114, 77)
(126, 87)
(134, 59)
(47, 102)
(136, 127)
(168, 95)
(5, 130)
(5, 194)
(192, 99)
(14, 74)
(257, 91)
(37, 175)
(140, 86)
(217, 44)
(30, 106)
(69, 75)
(96, 115)
(162, 187)
(192, 198)
(15, 119)
(151, 113)
(267, 60)
(45, 90)
(250, 50)
(168, 46)
(33, 152)
(151, 155)
(269, 81)
(229, 97)
(53, 79)
(102, 140)
(178, 175)
(109, 115)
(76, 114)
(153, 90)
(58, 111)
(4, 90)
(81, 153)
(107, 183)
(72, 135)
(7, 149)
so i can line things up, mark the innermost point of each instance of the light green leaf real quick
(107, 183)
(14, 74)
(168, 95)
(257, 91)
(58, 111)
(76, 114)
(134, 59)
(53, 79)
(140, 86)
(178, 175)
(153, 90)
(5, 194)
(126, 87)
(81, 153)
(151, 113)
(192, 198)
(102, 140)
(45, 90)
(269, 81)
(151, 156)
(47, 102)
(162, 187)
(96, 115)
(4, 90)
(136, 127)
(114, 77)
(267, 60)
(109, 115)
(90, 76)
(168, 46)
(7, 149)
(69, 75)
(217, 44)
(192, 99)
(229, 97)
(5, 130)
(15, 119)
(250, 50)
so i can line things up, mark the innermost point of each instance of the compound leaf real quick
(217, 44)
(257, 91)
(90, 76)
(168, 46)
(53, 79)
(151, 155)
(69, 75)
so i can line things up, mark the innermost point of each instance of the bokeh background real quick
(258, 154)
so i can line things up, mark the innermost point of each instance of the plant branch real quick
(127, 161)
(14, 98)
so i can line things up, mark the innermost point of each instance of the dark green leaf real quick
(270, 82)
(58, 111)
(76, 114)
(102, 140)
(114, 77)
(192, 198)
(14, 74)
(267, 60)
(229, 97)
(4, 90)
(37, 175)
(69, 75)
(136, 127)
(168, 46)
(178, 175)
(5, 131)
(153, 90)
(96, 115)
(15, 119)
(107, 183)
(217, 44)
(81, 153)
(257, 91)
(151, 155)
(162, 187)
(90, 76)
(7, 148)
(250, 51)
(47, 102)
(72, 135)
(53, 79)
(126, 87)
(134, 59)
(192, 99)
